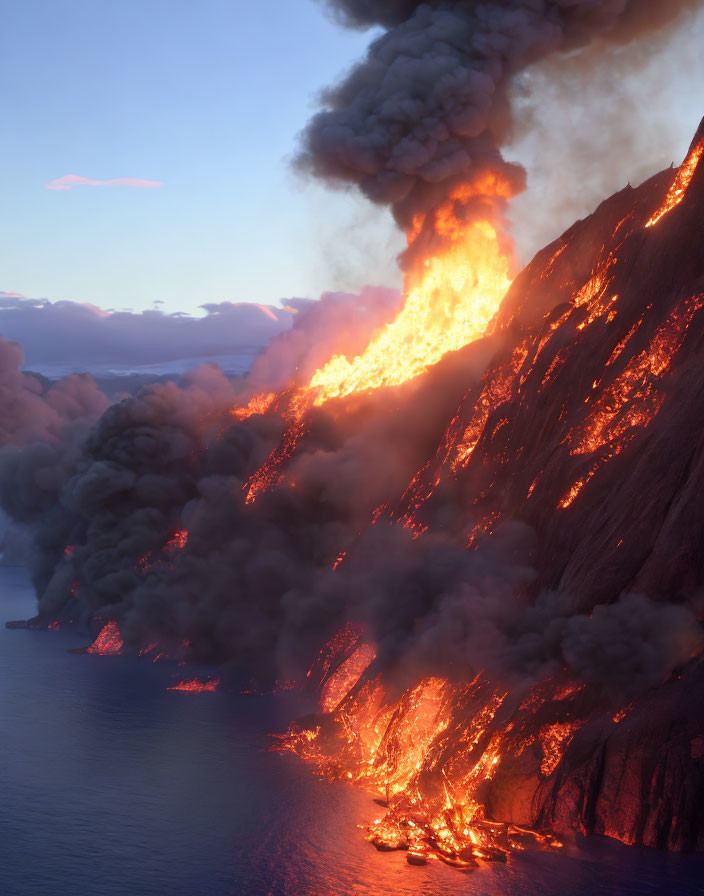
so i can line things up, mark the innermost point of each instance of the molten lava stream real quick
(196, 685)
(431, 753)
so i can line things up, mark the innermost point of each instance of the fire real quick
(457, 295)
(450, 302)
(682, 180)
(109, 642)
(196, 685)
(259, 404)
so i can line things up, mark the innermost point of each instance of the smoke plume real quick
(429, 107)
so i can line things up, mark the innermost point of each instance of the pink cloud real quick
(74, 180)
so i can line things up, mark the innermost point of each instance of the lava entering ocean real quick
(491, 515)
(495, 600)
(509, 606)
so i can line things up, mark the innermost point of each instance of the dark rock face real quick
(575, 402)
(640, 779)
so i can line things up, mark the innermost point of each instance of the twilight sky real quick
(146, 144)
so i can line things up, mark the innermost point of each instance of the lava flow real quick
(506, 551)
(196, 685)
(109, 641)
(430, 754)
(467, 771)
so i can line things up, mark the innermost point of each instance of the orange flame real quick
(457, 295)
(259, 404)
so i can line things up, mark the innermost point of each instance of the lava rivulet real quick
(682, 180)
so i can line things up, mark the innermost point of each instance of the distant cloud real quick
(74, 180)
(70, 337)
(275, 344)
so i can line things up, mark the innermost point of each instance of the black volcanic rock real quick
(640, 779)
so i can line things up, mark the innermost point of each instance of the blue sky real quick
(207, 98)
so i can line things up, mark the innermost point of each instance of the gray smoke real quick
(429, 109)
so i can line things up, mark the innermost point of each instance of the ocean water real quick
(109, 784)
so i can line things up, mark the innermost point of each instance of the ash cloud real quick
(430, 106)
(29, 412)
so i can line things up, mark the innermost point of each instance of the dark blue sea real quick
(111, 785)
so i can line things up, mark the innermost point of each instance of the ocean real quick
(110, 784)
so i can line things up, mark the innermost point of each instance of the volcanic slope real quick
(586, 427)
(515, 538)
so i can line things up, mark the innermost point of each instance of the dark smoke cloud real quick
(429, 107)
(41, 429)
(254, 587)
(29, 412)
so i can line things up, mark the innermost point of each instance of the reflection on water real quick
(111, 785)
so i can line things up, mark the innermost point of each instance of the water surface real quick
(111, 785)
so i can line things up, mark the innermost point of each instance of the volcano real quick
(586, 426)
(478, 544)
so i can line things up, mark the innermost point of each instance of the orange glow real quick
(346, 677)
(554, 739)
(496, 389)
(456, 296)
(269, 474)
(483, 527)
(572, 494)
(109, 641)
(339, 559)
(178, 541)
(428, 754)
(682, 180)
(259, 404)
(196, 685)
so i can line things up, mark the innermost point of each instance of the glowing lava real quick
(682, 180)
(109, 641)
(196, 685)
(430, 754)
